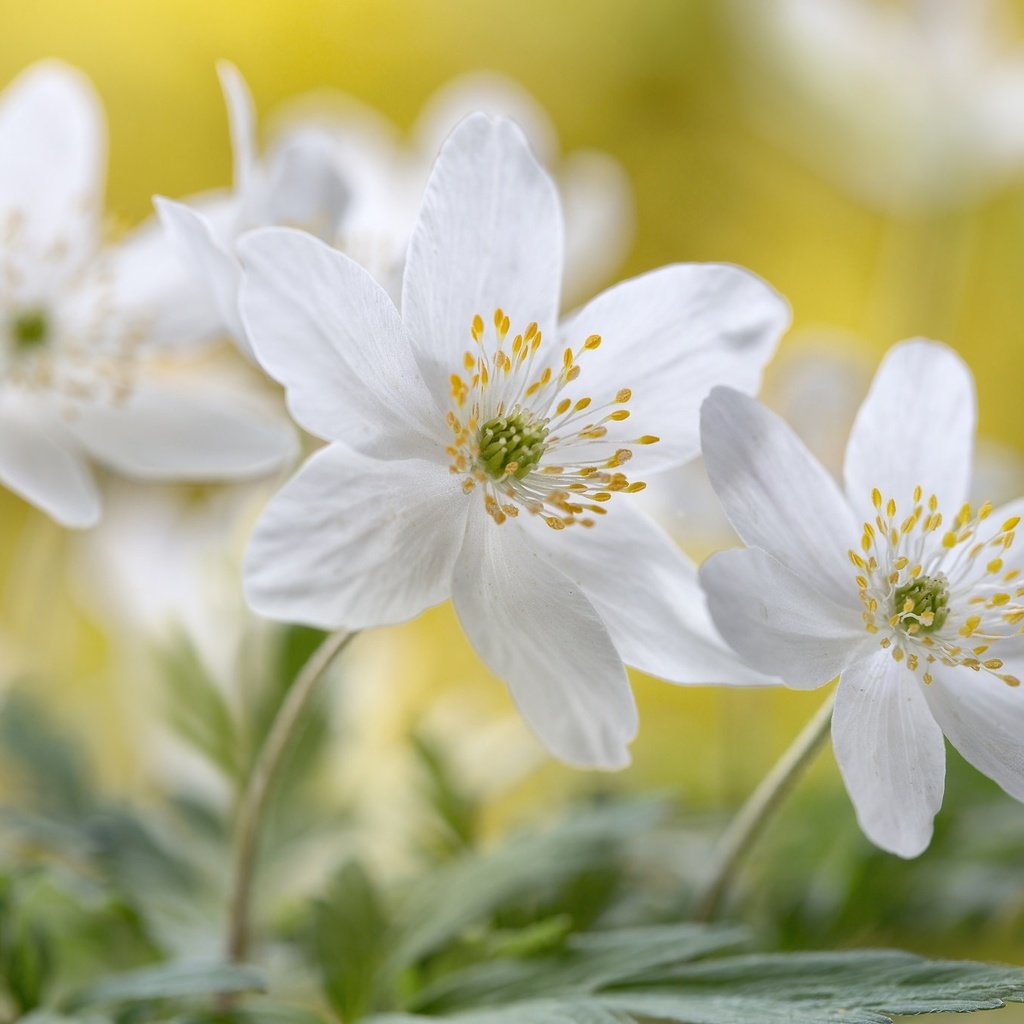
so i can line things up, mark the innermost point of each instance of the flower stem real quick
(748, 824)
(252, 806)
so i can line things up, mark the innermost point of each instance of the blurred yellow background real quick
(656, 85)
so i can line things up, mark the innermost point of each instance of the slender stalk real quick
(746, 827)
(252, 806)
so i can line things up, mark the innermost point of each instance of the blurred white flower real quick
(296, 182)
(907, 593)
(467, 463)
(342, 171)
(909, 105)
(91, 337)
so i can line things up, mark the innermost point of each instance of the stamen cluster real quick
(525, 443)
(939, 596)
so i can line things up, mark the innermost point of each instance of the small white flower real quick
(481, 451)
(902, 589)
(910, 105)
(91, 337)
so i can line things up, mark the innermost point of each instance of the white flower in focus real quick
(296, 182)
(909, 594)
(910, 105)
(481, 451)
(92, 337)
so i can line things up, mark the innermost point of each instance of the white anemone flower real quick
(908, 593)
(911, 105)
(296, 182)
(480, 449)
(343, 172)
(92, 365)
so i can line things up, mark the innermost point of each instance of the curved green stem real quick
(253, 804)
(752, 817)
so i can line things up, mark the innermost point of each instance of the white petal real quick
(141, 283)
(890, 752)
(53, 141)
(597, 197)
(984, 720)
(670, 336)
(776, 494)
(357, 542)
(778, 621)
(916, 427)
(489, 236)
(489, 93)
(646, 592)
(536, 630)
(216, 270)
(305, 186)
(186, 428)
(331, 335)
(241, 122)
(47, 473)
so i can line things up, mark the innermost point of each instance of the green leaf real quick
(520, 872)
(854, 987)
(350, 940)
(457, 813)
(196, 708)
(588, 963)
(47, 761)
(171, 981)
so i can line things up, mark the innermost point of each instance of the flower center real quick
(29, 330)
(511, 445)
(525, 443)
(939, 596)
(924, 601)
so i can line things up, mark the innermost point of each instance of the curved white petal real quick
(777, 495)
(331, 335)
(646, 592)
(47, 474)
(212, 267)
(357, 542)
(778, 621)
(890, 753)
(489, 236)
(141, 283)
(535, 629)
(53, 141)
(597, 199)
(984, 719)
(916, 427)
(185, 428)
(670, 336)
(241, 122)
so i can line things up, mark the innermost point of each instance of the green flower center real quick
(511, 445)
(924, 601)
(29, 330)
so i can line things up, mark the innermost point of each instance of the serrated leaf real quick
(171, 981)
(853, 987)
(532, 1012)
(588, 963)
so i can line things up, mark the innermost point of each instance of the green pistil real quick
(29, 330)
(928, 594)
(511, 439)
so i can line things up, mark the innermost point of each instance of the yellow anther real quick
(592, 342)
